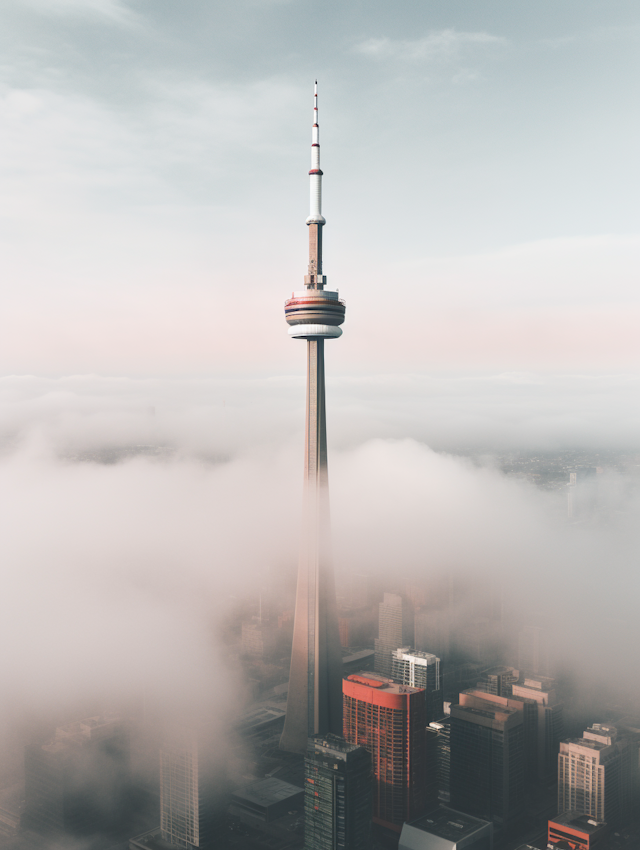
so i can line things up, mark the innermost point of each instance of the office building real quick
(529, 710)
(77, 781)
(442, 729)
(549, 723)
(337, 795)
(191, 788)
(487, 761)
(420, 670)
(499, 680)
(395, 629)
(445, 829)
(314, 702)
(597, 775)
(389, 721)
(267, 800)
(577, 831)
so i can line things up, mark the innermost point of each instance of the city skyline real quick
(162, 571)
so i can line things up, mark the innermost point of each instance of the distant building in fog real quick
(337, 795)
(536, 649)
(389, 720)
(77, 782)
(597, 775)
(395, 629)
(356, 626)
(487, 762)
(420, 670)
(190, 789)
(582, 496)
(549, 721)
(499, 681)
(432, 632)
(446, 829)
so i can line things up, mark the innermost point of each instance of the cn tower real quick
(314, 702)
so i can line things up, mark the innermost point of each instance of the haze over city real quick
(480, 185)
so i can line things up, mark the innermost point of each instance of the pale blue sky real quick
(480, 165)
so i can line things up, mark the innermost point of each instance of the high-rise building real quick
(395, 629)
(77, 781)
(314, 703)
(446, 829)
(442, 729)
(596, 775)
(337, 795)
(487, 762)
(529, 711)
(191, 788)
(549, 723)
(420, 670)
(389, 721)
(499, 680)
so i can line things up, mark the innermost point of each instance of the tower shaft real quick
(314, 703)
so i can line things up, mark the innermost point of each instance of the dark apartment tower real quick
(442, 730)
(337, 795)
(597, 775)
(549, 722)
(77, 782)
(420, 670)
(487, 763)
(389, 720)
(314, 703)
(191, 787)
(529, 710)
(395, 629)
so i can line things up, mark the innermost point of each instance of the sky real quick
(480, 176)
(480, 189)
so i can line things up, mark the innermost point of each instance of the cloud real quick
(112, 11)
(438, 46)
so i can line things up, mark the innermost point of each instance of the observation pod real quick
(314, 314)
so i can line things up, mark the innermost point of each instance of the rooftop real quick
(381, 683)
(448, 823)
(266, 792)
(331, 744)
(578, 821)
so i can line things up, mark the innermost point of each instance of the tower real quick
(420, 670)
(389, 720)
(395, 629)
(487, 761)
(337, 795)
(314, 704)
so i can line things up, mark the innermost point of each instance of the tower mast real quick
(314, 702)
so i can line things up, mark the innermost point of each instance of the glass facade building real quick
(337, 795)
(420, 670)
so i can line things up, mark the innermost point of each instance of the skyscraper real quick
(596, 775)
(487, 761)
(77, 781)
(550, 723)
(420, 670)
(389, 720)
(190, 788)
(395, 629)
(314, 704)
(337, 795)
